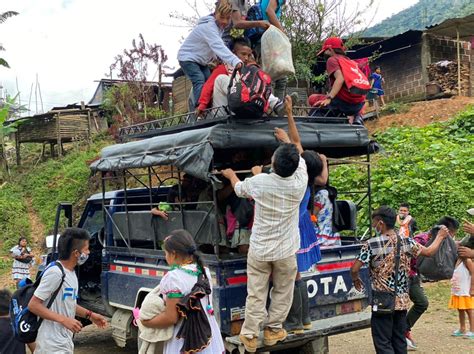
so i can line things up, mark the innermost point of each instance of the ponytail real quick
(182, 243)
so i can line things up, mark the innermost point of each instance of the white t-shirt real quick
(54, 338)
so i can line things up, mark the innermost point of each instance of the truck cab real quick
(126, 260)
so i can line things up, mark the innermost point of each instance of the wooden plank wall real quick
(181, 89)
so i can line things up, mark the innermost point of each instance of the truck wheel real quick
(317, 346)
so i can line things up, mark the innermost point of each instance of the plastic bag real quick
(276, 54)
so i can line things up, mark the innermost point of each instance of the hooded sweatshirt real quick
(205, 43)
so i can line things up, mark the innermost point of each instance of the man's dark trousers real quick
(419, 299)
(388, 332)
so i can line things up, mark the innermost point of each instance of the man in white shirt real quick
(273, 242)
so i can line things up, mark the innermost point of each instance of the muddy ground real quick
(431, 333)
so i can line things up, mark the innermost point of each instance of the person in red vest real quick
(340, 99)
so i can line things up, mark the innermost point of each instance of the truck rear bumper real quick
(321, 328)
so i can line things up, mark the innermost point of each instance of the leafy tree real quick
(136, 94)
(3, 17)
(309, 22)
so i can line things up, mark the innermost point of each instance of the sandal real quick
(469, 335)
(457, 333)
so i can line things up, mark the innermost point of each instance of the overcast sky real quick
(71, 43)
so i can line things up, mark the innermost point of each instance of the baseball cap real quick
(332, 42)
(470, 211)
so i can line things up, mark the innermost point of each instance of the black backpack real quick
(248, 94)
(26, 324)
(441, 265)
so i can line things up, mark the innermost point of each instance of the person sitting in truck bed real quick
(205, 44)
(214, 91)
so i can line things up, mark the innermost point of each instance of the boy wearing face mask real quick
(59, 323)
(388, 330)
(406, 224)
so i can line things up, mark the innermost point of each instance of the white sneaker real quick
(410, 345)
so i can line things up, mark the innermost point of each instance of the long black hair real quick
(182, 243)
(314, 166)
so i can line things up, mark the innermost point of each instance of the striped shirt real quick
(275, 234)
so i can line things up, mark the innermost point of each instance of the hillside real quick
(424, 13)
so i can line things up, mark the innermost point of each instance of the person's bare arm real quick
(322, 179)
(468, 227)
(336, 87)
(37, 307)
(167, 318)
(465, 252)
(95, 318)
(292, 129)
(431, 250)
(355, 269)
(231, 176)
(240, 23)
(469, 263)
(160, 213)
(271, 13)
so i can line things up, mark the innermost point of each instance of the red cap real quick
(333, 42)
(315, 98)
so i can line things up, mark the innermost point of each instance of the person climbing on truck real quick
(273, 242)
(204, 44)
(309, 253)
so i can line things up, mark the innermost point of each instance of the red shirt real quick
(332, 65)
(208, 89)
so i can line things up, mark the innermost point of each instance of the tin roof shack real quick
(158, 93)
(55, 127)
(404, 60)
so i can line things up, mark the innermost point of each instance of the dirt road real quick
(432, 333)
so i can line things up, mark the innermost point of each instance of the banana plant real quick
(3, 17)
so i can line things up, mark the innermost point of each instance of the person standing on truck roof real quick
(59, 323)
(406, 223)
(204, 44)
(388, 330)
(176, 287)
(273, 243)
(309, 253)
(339, 98)
(415, 288)
(239, 22)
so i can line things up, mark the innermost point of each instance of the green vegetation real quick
(45, 185)
(427, 167)
(417, 17)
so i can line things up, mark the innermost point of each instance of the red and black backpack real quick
(248, 92)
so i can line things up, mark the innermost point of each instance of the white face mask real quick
(377, 231)
(82, 258)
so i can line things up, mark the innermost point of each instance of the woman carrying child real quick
(203, 45)
(462, 296)
(186, 290)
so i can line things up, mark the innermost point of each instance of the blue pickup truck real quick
(126, 260)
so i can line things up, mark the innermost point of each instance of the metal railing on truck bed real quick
(210, 117)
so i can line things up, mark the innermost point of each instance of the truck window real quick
(94, 220)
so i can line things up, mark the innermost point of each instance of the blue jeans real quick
(198, 74)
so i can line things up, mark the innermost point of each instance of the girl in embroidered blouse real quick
(186, 266)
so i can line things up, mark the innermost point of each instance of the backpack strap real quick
(56, 292)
